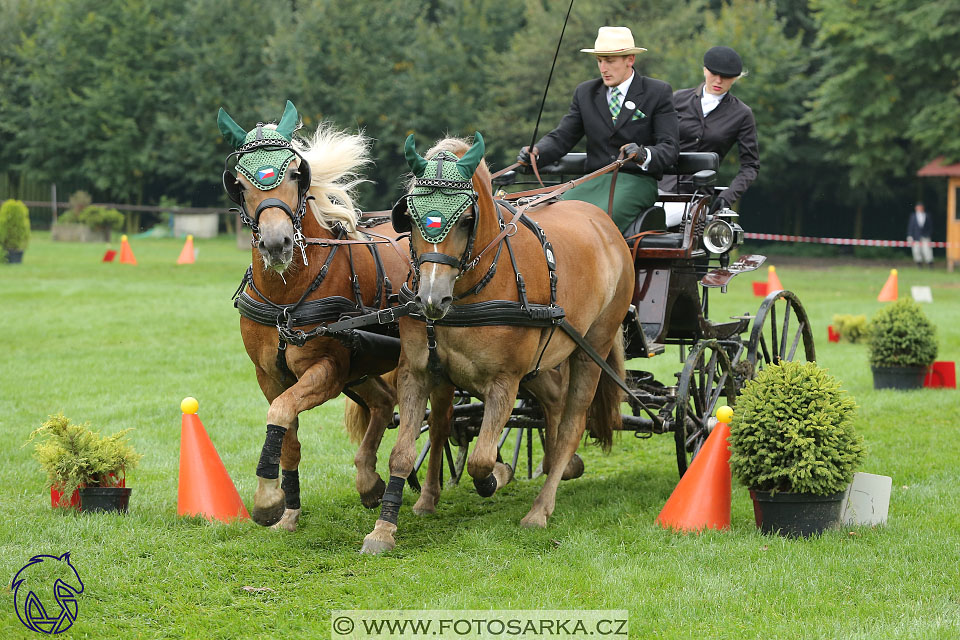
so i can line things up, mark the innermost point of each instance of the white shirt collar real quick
(709, 101)
(623, 87)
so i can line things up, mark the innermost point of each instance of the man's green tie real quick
(615, 103)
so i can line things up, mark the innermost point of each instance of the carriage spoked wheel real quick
(707, 376)
(780, 332)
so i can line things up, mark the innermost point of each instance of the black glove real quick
(718, 204)
(636, 150)
(524, 156)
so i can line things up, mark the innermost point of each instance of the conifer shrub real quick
(792, 430)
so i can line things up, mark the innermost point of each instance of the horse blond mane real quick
(458, 147)
(335, 157)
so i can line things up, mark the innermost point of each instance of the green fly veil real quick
(442, 190)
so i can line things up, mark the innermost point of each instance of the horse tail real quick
(356, 417)
(603, 416)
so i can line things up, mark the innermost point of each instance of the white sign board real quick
(921, 294)
(868, 500)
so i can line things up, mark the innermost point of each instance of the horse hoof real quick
(288, 522)
(371, 499)
(380, 540)
(486, 487)
(531, 521)
(268, 516)
(425, 506)
(574, 468)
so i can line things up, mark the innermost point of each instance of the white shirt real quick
(623, 87)
(709, 102)
(921, 217)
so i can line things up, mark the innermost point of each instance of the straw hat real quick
(614, 41)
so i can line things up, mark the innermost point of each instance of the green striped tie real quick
(615, 103)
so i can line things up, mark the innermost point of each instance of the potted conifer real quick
(84, 468)
(793, 445)
(14, 230)
(903, 345)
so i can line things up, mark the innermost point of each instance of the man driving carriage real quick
(619, 111)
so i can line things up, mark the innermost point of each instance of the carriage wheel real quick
(781, 325)
(707, 375)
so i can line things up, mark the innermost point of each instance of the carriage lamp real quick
(722, 233)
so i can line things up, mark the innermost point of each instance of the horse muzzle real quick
(432, 307)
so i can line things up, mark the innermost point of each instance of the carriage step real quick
(655, 349)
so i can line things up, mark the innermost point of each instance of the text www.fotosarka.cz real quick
(478, 625)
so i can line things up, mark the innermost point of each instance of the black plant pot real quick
(796, 514)
(898, 377)
(105, 499)
(14, 256)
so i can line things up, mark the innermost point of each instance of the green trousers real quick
(633, 195)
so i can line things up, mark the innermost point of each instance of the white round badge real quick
(629, 104)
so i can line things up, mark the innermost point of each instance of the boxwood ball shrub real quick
(792, 430)
(851, 328)
(14, 225)
(901, 335)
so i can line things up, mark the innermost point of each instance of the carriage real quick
(683, 251)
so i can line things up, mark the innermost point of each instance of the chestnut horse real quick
(275, 178)
(456, 242)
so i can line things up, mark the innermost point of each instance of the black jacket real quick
(589, 114)
(915, 231)
(730, 121)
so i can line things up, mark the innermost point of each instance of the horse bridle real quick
(235, 192)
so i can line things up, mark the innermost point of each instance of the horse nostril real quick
(261, 245)
(445, 301)
(287, 242)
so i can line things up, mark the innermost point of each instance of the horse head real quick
(442, 212)
(269, 179)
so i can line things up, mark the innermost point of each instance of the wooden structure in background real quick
(952, 172)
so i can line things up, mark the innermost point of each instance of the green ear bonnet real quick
(262, 163)
(442, 189)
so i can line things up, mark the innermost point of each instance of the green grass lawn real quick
(120, 346)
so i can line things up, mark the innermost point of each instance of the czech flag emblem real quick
(267, 173)
(434, 222)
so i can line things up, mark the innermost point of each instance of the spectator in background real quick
(919, 232)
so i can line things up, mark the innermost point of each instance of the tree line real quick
(119, 97)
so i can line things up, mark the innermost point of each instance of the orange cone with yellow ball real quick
(773, 282)
(889, 291)
(186, 254)
(126, 253)
(205, 488)
(702, 497)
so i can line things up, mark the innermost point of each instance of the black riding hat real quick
(723, 61)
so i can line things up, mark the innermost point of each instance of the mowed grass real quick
(120, 346)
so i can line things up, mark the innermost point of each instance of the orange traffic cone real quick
(702, 497)
(186, 254)
(889, 291)
(126, 253)
(773, 282)
(205, 489)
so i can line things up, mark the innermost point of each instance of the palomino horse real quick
(305, 272)
(460, 341)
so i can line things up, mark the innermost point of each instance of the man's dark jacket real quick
(589, 114)
(730, 122)
(916, 231)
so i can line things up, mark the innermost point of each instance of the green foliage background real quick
(119, 96)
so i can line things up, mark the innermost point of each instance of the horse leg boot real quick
(584, 375)
(290, 479)
(412, 391)
(488, 474)
(441, 415)
(316, 386)
(370, 423)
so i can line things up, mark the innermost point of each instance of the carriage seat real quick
(653, 219)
